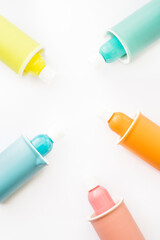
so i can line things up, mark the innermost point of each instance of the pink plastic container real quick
(116, 224)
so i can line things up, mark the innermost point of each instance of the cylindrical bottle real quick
(139, 30)
(130, 36)
(112, 221)
(140, 135)
(21, 53)
(22, 160)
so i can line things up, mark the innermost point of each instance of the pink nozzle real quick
(100, 199)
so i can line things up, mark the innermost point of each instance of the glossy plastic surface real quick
(36, 65)
(100, 200)
(119, 123)
(43, 144)
(112, 50)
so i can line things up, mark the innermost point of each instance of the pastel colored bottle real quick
(139, 135)
(21, 53)
(21, 161)
(111, 220)
(132, 35)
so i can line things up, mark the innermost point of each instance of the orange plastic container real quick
(116, 224)
(143, 139)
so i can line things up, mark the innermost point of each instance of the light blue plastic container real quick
(139, 30)
(18, 163)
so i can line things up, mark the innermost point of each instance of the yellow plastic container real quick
(141, 136)
(20, 52)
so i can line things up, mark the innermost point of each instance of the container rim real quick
(127, 58)
(29, 143)
(129, 129)
(92, 219)
(21, 71)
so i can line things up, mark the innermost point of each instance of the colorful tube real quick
(20, 52)
(139, 135)
(112, 221)
(139, 30)
(22, 160)
(132, 35)
(117, 223)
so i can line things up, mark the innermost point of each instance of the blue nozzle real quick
(112, 50)
(43, 144)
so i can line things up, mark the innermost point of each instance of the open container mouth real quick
(39, 49)
(94, 217)
(34, 149)
(125, 59)
(129, 129)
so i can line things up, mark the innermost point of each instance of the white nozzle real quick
(105, 115)
(96, 60)
(47, 74)
(90, 183)
(55, 134)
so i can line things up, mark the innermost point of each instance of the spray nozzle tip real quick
(91, 183)
(55, 134)
(96, 60)
(47, 74)
(105, 115)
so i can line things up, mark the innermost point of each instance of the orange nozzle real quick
(120, 123)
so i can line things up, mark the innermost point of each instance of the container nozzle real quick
(120, 123)
(37, 66)
(44, 142)
(98, 196)
(112, 50)
(109, 52)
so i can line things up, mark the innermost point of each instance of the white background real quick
(54, 205)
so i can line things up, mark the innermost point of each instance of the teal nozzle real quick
(112, 50)
(139, 30)
(20, 161)
(43, 144)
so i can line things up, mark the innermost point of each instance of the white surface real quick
(105, 114)
(54, 204)
(91, 182)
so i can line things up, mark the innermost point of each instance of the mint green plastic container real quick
(139, 30)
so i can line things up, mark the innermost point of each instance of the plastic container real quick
(139, 135)
(111, 220)
(22, 160)
(116, 224)
(139, 30)
(21, 53)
